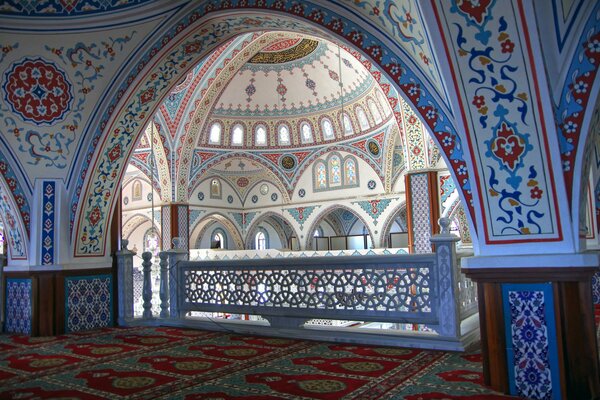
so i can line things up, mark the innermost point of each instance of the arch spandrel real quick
(89, 232)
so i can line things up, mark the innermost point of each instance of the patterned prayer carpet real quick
(172, 363)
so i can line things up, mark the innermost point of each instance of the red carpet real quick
(170, 363)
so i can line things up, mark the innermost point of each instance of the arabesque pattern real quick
(499, 93)
(89, 236)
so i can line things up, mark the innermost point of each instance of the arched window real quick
(136, 190)
(215, 134)
(320, 176)
(362, 119)
(375, 112)
(215, 189)
(218, 239)
(260, 135)
(151, 241)
(350, 176)
(335, 171)
(348, 128)
(284, 135)
(328, 133)
(383, 103)
(306, 131)
(237, 135)
(260, 240)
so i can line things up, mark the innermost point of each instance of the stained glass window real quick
(335, 171)
(321, 176)
(350, 172)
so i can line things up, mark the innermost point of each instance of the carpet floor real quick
(172, 363)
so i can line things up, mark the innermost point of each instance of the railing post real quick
(164, 284)
(147, 286)
(176, 254)
(447, 279)
(125, 282)
(2, 294)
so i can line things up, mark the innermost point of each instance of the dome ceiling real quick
(293, 77)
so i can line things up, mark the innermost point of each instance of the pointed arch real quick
(398, 212)
(267, 217)
(203, 223)
(90, 214)
(134, 222)
(323, 213)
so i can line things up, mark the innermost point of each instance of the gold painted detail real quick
(322, 386)
(133, 382)
(361, 366)
(302, 49)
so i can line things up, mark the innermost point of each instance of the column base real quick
(538, 331)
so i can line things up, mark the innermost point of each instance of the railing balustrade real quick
(423, 289)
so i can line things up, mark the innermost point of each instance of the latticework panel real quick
(382, 293)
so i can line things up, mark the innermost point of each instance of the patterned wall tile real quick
(89, 302)
(596, 287)
(531, 340)
(183, 225)
(18, 306)
(47, 228)
(165, 224)
(421, 215)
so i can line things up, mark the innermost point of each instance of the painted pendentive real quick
(531, 341)
(18, 306)
(89, 302)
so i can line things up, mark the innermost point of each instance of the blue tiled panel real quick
(89, 302)
(531, 340)
(18, 306)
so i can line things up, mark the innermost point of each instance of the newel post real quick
(447, 278)
(164, 284)
(175, 255)
(147, 285)
(125, 282)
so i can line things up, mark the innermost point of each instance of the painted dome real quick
(292, 93)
